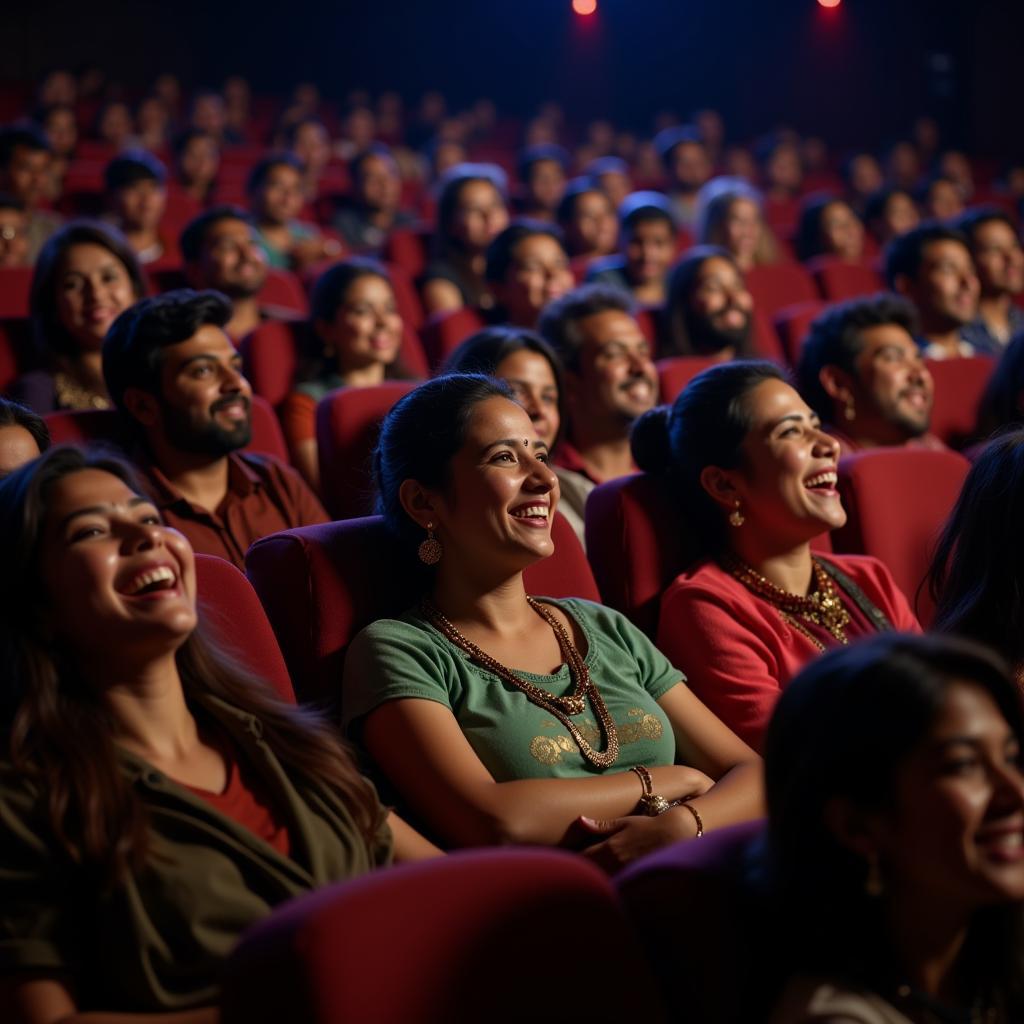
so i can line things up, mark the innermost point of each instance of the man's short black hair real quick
(259, 174)
(835, 340)
(666, 141)
(133, 347)
(874, 208)
(904, 254)
(13, 414)
(131, 166)
(375, 149)
(644, 207)
(24, 135)
(502, 248)
(182, 141)
(194, 235)
(559, 321)
(977, 217)
(536, 154)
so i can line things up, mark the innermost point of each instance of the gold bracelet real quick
(650, 803)
(696, 817)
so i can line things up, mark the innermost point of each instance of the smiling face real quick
(231, 260)
(204, 401)
(946, 288)
(480, 214)
(496, 508)
(842, 233)
(955, 832)
(999, 259)
(367, 327)
(721, 307)
(115, 579)
(649, 249)
(140, 205)
(742, 229)
(616, 380)
(92, 289)
(593, 229)
(786, 480)
(280, 199)
(538, 273)
(533, 383)
(892, 390)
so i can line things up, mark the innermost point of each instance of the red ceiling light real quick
(584, 7)
(829, 3)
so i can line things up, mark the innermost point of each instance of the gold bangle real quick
(696, 817)
(649, 803)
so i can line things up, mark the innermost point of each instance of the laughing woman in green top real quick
(502, 718)
(154, 800)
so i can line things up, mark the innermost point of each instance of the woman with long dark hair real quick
(754, 478)
(896, 836)
(155, 799)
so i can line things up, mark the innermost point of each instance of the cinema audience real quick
(587, 219)
(455, 700)
(709, 311)
(14, 242)
(353, 339)
(221, 250)
(84, 278)
(471, 212)
(890, 212)
(829, 227)
(609, 379)
(135, 187)
(729, 215)
(197, 164)
(647, 243)
(753, 476)
(373, 210)
(121, 718)
(542, 172)
(687, 166)
(931, 266)
(863, 374)
(999, 263)
(177, 381)
(25, 169)
(895, 871)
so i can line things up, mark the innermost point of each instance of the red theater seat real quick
(777, 285)
(959, 386)
(897, 500)
(105, 425)
(446, 941)
(727, 971)
(676, 372)
(637, 544)
(792, 325)
(765, 341)
(444, 332)
(322, 584)
(407, 247)
(837, 280)
(347, 423)
(15, 285)
(282, 290)
(230, 608)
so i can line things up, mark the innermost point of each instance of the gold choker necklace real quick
(824, 607)
(561, 707)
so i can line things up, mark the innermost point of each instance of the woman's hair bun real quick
(649, 440)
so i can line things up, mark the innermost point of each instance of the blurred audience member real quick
(23, 436)
(829, 227)
(611, 175)
(889, 212)
(688, 167)
(862, 176)
(25, 168)
(542, 172)
(372, 212)
(999, 262)
(196, 164)
(730, 215)
(14, 244)
(527, 267)
(932, 267)
(135, 185)
(587, 219)
(940, 198)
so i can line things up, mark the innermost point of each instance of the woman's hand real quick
(633, 836)
(678, 782)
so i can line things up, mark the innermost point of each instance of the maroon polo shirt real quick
(263, 497)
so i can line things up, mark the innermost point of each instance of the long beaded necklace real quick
(561, 707)
(824, 607)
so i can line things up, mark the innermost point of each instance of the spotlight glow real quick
(829, 3)
(584, 7)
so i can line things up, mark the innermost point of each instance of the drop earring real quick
(873, 885)
(736, 517)
(430, 550)
(849, 410)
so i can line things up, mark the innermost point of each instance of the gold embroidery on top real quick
(642, 726)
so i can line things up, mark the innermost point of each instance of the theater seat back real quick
(321, 584)
(444, 332)
(229, 607)
(897, 500)
(446, 941)
(959, 387)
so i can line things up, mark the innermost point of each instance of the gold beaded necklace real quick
(561, 707)
(824, 607)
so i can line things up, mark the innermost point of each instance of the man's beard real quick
(208, 438)
(707, 339)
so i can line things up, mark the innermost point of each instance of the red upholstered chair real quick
(270, 356)
(15, 284)
(446, 941)
(347, 424)
(727, 970)
(106, 425)
(792, 325)
(407, 247)
(16, 355)
(647, 320)
(776, 285)
(322, 584)
(230, 608)
(283, 290)
(638, 544)
(837, 280)
(765, 341)
(897, 500)
(676, 372)
(407, 299)
(959, 386)
(444, 332)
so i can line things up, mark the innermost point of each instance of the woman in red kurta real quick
(756, 478)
